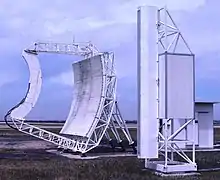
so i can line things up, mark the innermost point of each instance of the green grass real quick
(37, 164)
(48, 167)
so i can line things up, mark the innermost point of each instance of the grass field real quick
(31, 164)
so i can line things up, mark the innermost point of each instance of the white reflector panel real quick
(35, 83)
(88, 87)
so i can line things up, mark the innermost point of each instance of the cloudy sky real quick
(111, 26)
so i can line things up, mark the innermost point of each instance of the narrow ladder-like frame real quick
(167, 143)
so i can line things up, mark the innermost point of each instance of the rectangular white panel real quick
(162, 87)
(190, 133)
(205, 125)
(176, 87)
(147, 85)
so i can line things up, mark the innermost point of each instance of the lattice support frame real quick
(168, 145)
(108, 110)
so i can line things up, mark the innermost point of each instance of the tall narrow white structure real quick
(147, 51)
(166, 91)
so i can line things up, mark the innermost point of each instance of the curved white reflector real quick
(35, 82)
(88, 87)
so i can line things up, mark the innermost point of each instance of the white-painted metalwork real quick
(147, 84)
(102, 105)
(176, 72)
(35, 82)
(172, 50)
(78, 49)
(89, 87)
(172, 44)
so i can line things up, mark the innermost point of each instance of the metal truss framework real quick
(169, 37)
(110, 117)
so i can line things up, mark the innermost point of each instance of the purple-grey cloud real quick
(111, 25)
